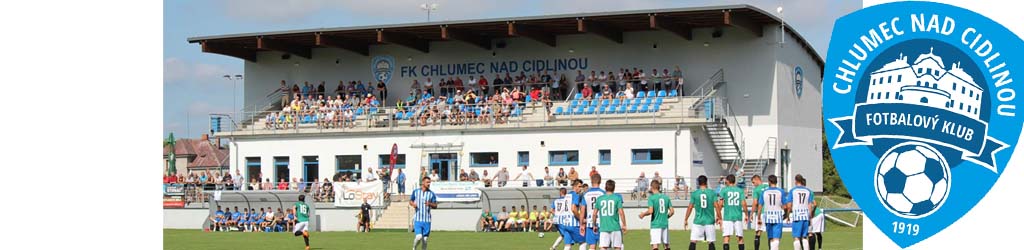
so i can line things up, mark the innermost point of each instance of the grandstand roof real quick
(480, 32)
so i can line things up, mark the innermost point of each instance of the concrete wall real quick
(621, 142)
(185, 218)
(799, 124)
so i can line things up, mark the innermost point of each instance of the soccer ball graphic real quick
(540, 235)
(912, 180)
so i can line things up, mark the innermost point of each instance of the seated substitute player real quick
(503, 216)
(608, 209)
(732, 202)
(817, 226)
(215, 219)
(659, 206)
(278, 221)
(268, 220)
(289, 220)
(758, 219)
(534, 222)
(773, 211)
(523, 219)
(513, 218)
(302, 219)
(255, 218)
(545, 218)
(800, 204)
(487, 220)
(590, 198)
(422, 200)
(703, 200)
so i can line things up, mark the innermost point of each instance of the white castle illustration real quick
(927, 82)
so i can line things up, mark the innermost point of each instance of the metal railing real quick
(737, 129)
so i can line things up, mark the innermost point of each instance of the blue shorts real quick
(570, 235)
(800, 228)
(421, 228)
(774, 230)
(592, 237)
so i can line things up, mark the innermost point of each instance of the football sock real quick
(804, 243)
(558, 240)
(796, 244)
(711, 245)
(773, 245)
(568, 247)
(306, 239)
(583, 246)
(757, 242)
(297, 233)
(416, 241)
(818, 237)
(693, 245)
(425, 243)
(725, 246)
(811, 241)
(741, 246)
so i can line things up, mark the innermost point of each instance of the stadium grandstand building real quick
(750, 98)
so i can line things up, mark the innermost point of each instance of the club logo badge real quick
(382, 67)
(798, 81)
(920, 105)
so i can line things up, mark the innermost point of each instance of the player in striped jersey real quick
(773, 212)
(800, 204)
(422, 200)
(560, 207)
(573, 232)
(589, 198)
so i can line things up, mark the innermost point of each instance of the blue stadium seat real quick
(673, 93)
(622, 109)
(579, 110)
(640, 94)
(359, 111)
(615, 103)
(577, 96)
(645, 107)
(597, 96)
(373, 110)
(450, 100)
(529, 99)
(648, 101)
(661, 93)
(632, 109)
(573, 104)
(476, 100)
(517, 112)
(657, 104)
(594, 102)
(590, 110)
(650, 94)
(559, 111)
(399, 115)
(604, 102)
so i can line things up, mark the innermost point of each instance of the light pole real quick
(428, 7)
(234, 92)
(782, 17)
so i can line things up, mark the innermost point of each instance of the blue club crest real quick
(921, 112)
(382, 67)
(798, 80)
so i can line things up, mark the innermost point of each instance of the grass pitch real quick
(836, 238)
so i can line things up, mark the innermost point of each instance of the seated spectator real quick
(593, 172)
(563, 179)
(548, 179)
(434, 176)
(573, 176)
(486, 179)
(641, 187)
(463, 176)
(587, 92)
(503, 217)
(473, 176)
(657, 177)
(680, 187)
(282, 185)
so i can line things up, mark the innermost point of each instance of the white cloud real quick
(178, 70)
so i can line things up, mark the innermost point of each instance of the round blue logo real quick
(926, 98)
(798, 81)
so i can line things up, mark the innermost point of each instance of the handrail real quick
(710, 84)
(730, 117)
(766, 151)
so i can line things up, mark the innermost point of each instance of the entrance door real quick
(446, 165)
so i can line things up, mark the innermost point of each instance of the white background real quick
(994, 222)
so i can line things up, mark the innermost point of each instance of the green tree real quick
(832, 184)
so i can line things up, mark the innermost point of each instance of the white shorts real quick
(659, 236)
(521, 220)
(702, 232)
(818, 223)
(732, 228)
(611, 239)
(757, 219)
(300, 226)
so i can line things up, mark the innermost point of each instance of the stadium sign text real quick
(497, 67)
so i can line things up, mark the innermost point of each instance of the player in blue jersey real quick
(219, 220)
(422, 200)
(589, 198)
(772, 210)
(572, 233)
(254, 220)
(800, 204)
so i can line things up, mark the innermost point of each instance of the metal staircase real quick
(724, 141)
(757, 165)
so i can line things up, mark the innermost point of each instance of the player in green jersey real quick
(302, 219)
(758, 224)
(611, 218)
(733, 202)
(659, 206)
(703, 200)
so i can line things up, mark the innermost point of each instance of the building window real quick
(899, 78)
(954, 86)
(310, 168)
(523, 158)
(886, 95)
(647, 156)
(925, 100)
(889, 80)
(604, 157)
(961, 106)
(252, 168)
(348, 165)
(483, 159)
(384, 161)
(564, 158)
(280, 169)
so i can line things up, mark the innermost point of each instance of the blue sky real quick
(194, 85)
